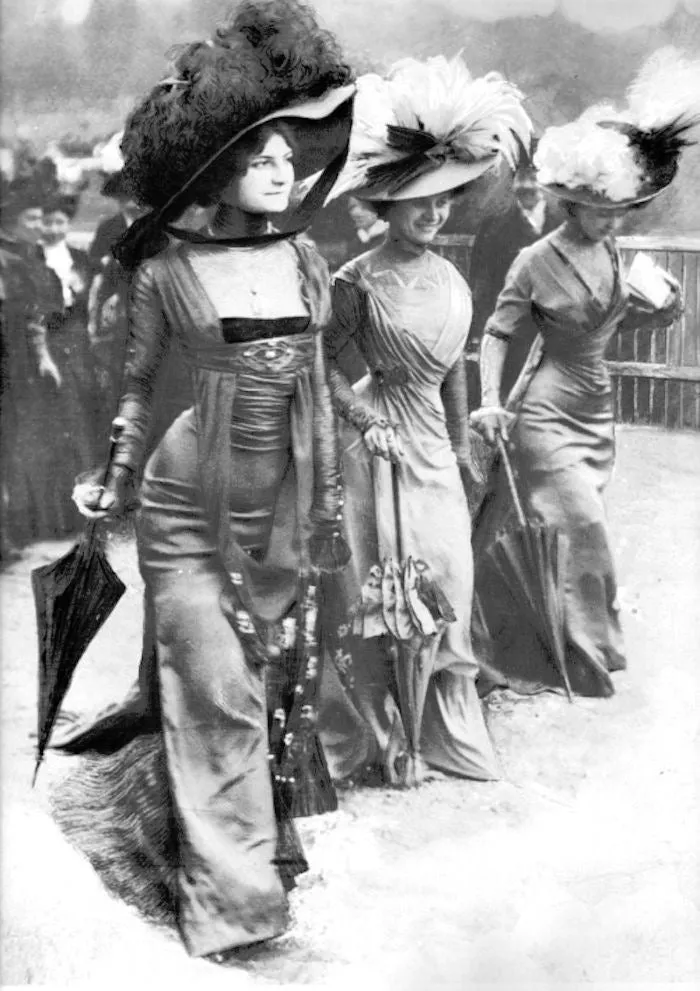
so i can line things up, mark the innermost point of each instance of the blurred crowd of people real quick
(63, 333)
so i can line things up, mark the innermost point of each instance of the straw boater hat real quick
(271, 62)
(613, 160)
(430, 127)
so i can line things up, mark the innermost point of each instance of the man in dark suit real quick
(498, 241)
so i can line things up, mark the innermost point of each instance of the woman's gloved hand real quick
(676, 304)
(96, 501)
(382, 440)
(490, 421)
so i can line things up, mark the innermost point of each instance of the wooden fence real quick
(656, 373)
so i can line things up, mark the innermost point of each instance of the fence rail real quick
(656, 373)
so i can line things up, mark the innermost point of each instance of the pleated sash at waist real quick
(268, 382)
(274, 356)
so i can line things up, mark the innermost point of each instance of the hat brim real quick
(450, 175)
(587, 197)
(320, 129)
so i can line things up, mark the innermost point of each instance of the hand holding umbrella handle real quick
(118, 425)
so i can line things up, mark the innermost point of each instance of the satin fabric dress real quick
(564, 450)
(222, 533)
(414, 318)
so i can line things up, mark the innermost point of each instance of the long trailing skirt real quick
(188, 813)
(564, 450)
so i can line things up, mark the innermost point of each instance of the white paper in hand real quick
(649, 281)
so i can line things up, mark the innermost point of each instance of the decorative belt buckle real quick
(269, 356)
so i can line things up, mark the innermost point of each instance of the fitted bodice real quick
(416, 291)
(410, 321)
(576, 324)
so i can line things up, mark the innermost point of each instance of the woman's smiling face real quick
(418, 221)
(266, 185)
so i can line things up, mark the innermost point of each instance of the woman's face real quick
(267, 183)
(56, 226)
(596, 224)
(419, 221)
(29, 225)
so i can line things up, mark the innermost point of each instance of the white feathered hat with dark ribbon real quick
(613, 159)
(429, 127)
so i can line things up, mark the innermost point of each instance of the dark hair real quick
(254, 142)
(269, 55)
(13, 206)
(113, 187)
(26, 192)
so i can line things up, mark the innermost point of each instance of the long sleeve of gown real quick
(148, 344)
(349, 313)
(455, 401)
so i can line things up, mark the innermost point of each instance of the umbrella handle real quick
(118, 425)
(511, 479)
(397, 509)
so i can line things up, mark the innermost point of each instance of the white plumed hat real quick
(429, 127)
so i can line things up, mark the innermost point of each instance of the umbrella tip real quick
(36, 772)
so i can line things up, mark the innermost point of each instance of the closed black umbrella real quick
(530, 560)
(73, 597)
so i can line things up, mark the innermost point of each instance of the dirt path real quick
(580, 867)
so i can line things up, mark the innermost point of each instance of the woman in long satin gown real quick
(239, 501)
(561, 430)
(408, 312)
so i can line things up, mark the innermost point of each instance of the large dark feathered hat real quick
(270, 61)
(612, 160)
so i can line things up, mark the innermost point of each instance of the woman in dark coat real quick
(31, 377)
(240, 501)
(24, 359)
(75, 410)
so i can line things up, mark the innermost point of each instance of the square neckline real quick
(202, 292)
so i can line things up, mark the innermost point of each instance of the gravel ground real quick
(579, 868)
